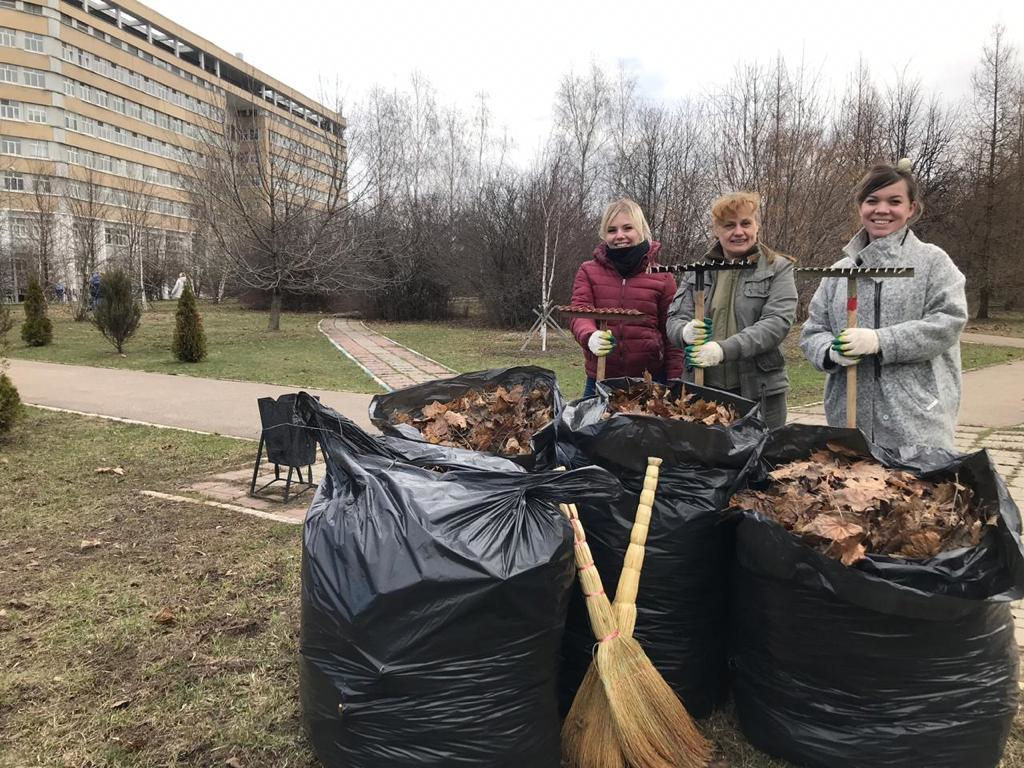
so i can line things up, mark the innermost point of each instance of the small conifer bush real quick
(189, 339)
(117, 313)
(37, 330)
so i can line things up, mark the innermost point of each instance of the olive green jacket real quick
(765, 306)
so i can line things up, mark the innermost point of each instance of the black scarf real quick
(626, 259)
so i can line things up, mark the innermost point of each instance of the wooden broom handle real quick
(602, 362)
(599, 608)
(698, 374)
(629, 578)
(851, 371)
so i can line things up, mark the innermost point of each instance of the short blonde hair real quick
(632, 211)
(735, 204)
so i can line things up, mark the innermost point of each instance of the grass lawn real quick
(470, 348)
(238, 343)
(173, 642)
(1000, 324)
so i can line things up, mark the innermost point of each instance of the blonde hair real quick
(633, 212)
(734, 204)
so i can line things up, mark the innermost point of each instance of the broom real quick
(638, 719)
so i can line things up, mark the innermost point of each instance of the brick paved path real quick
(386, 361)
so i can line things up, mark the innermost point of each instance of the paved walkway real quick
(186, 402)
(992, 340)
(385, 360)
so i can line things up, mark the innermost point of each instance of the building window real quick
(35, 114)
(35, 78)
(8, 74)
(116, 236)
(10, 110)
(33, 8)
(7, 37)
(10, 146)
(20, 229)
(42, 184)
(33, 43)
(38, 149)
(14, 181)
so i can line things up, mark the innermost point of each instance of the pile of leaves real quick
(845, 505)
(652, 398)
(497, 420)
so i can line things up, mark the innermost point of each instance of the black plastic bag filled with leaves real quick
(887, 662)
(682, 601)
(387, 411)
(433, 605)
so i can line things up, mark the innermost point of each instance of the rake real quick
(851, 274)
(700, 268)
(603, 315)
(625, 712)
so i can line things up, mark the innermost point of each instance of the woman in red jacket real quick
(617, 277)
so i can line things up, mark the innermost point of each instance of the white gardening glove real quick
(601, 343)
(856, 342)
(840, 359)
(704, 355)
(697, 331)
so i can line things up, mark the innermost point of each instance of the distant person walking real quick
(907, 343)
(179, 286)
(94, 290)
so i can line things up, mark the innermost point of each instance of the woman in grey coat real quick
(750, 312)
(906, 347)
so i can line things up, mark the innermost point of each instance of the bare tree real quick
(135, 213)
(280, 207)
(994, 82)
(42, 212)
(85, 200)
(581, 109)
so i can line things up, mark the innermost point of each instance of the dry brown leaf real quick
(851, 550)
(832, 527)
(89, 544)
(110, 471)
(164, 616)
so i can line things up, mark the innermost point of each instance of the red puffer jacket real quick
(640, 347)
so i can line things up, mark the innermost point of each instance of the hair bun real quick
(904, 164)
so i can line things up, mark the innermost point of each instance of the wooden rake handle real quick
(602, 362)
(698, 302)
(851, 371)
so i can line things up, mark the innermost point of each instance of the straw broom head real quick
(653, 727)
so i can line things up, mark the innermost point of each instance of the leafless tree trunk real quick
(993, 82)
(85, 200)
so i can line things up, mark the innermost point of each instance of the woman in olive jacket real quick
(750, 311)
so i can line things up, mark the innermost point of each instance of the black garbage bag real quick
(384, 408)
(887, 662)
(681, 605)
(433, 605)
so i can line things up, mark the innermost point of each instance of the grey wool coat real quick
(765, 307)
(909, 393)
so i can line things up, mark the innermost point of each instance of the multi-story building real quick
(102, 106)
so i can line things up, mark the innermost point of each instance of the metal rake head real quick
(711, 265)
(857, 271)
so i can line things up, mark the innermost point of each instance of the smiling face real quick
(621, 232)
(887, 210)
(737, 234)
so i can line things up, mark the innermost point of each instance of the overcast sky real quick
(518, 52)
